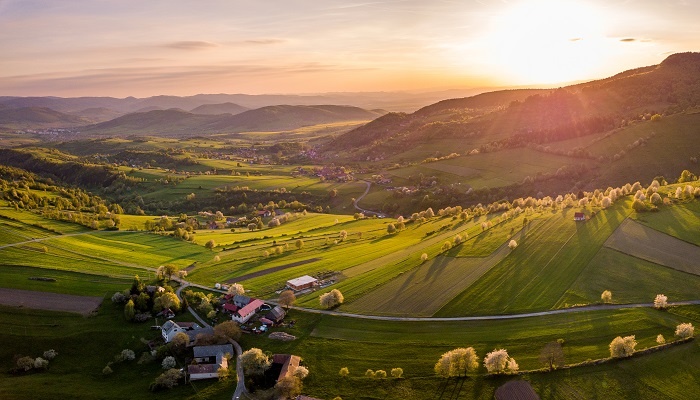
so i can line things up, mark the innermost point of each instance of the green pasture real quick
(37, 221)
(85, 346)
(681, 221)
(17, 277)
(336, 342)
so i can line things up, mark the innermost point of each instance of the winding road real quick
(362, 210)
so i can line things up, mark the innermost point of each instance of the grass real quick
(85, 346)
(630, 279)
(651, 245)
(37, 221)
(545, 264)
(17, 277)
(680, 221)
(337, 342)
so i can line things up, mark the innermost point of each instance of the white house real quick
(243, 315)
(191, 329)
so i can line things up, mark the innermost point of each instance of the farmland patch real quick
(636, 239)
(49, 301)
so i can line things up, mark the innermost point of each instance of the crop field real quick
(83, 305)
(651, 245)
(680, 221)
(630, 279)
(33, 221)
(543, 266)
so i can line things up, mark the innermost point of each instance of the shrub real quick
(660, 339)
(622, 347)
(685, 330)
(512, 244)
(210, 244)
(50, 354)
(369, 373)
(168, 362)
(390, 228)
(380, 374)
(660, 302)
(301, 372)
(344, 372)
(424, 257)
(25, 363)
(107, 370)
(166, 380)
(118, 298)
(41, 363)
(396, 372)
(656, 199)
(606, 296)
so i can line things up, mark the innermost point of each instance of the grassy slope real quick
(544, 265)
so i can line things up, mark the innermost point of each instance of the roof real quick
(289, 363)
(276, 313)
(230, 307)
(266, 321)
(202, 369)
(579, 215)
(251, 307)
(239, 298)
(212, 351)
(516, 390)
(192, 334)
(303, 280)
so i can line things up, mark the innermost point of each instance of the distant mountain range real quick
(176, 122)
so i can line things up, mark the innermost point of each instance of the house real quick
(240, 300)
(191, 329)
(211, 354)
(243, 315)
(204, 371)
(263, 213)
(302, 283)
(276, 315)
(286, 363)
(579, 216)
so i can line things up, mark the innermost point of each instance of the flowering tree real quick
(498, 361)
(660, 302)
(622, 347)
(685, 331)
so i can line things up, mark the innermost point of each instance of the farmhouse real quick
(243, 315)
(302, 283)
(191, 329)
(579, 216)
(211, 354)
(228, 307)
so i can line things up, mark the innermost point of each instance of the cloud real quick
(628, 40)
(264, 41)
(191, 45)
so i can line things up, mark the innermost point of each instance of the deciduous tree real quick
(287, 299)
(606, 296)
(685, 330)
(622, 347)
(254, 361)
(331, 299)
(498, 362)
(552, 355)
(660, 302)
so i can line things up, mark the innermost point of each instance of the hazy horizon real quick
(124, 48)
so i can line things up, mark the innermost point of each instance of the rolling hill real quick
(176, 122)
(518, 117)
(37, 117)
(217, 109)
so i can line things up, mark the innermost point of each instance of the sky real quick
(142, 48)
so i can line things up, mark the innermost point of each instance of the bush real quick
(390, 228)
(107, 370)
(25, 363)
(685, 331)
(424, 257)
(118, 298)
(41, 363)
(622, 347)
(369, 373)
(210, 244)
(606, 296)
(166, 380)
(50, 354)
(660, 339)
(380, 374)
(396, 372)
(512, 244)
(301, 372)
(344, 372)
(168, 362)
(126, 355)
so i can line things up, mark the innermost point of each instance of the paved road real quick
(366, 212)
(240, 383)
(492, 317)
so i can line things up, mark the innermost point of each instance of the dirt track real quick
(49, 301)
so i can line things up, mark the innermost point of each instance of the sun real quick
(548, 41)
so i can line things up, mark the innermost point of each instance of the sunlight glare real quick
(549, 41)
